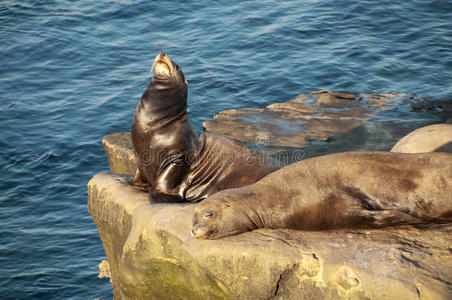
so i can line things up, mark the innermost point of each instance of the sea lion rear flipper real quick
(390, 217)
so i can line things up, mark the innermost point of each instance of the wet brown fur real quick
(177, 163)
(346, 190)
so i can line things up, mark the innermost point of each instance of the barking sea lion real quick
(177, 163)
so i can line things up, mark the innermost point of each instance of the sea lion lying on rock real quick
(345, 190)
(178, 163)
(432, 138)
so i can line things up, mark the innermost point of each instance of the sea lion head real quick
(217, 217)
(166, 95)
(167, 72)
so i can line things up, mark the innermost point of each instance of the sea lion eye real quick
(208, 214)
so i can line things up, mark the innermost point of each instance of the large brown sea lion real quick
(345, 190)
(432, 138)
(178, 163)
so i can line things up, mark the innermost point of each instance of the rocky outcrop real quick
(152, 256)
(329, 122)
(121, 156)
(308, 126)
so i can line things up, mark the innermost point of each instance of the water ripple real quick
(73, 72)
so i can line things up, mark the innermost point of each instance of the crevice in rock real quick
(413, 262)
(442, 280)
(275, 238)
(285, 275)
(413, 244)
(277, 285)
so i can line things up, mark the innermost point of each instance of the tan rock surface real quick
(119, 149)
(152, 256)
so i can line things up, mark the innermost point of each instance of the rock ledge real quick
(151, 255)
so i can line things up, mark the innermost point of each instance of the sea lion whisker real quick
(152, 67)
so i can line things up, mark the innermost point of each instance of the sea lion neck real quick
(161, 100)
(164, 84)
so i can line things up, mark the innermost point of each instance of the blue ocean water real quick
(72, 72)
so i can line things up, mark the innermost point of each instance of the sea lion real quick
(345, 190)
(176, 162)
(432, 138)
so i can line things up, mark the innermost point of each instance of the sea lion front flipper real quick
(169, 185)
(138, 180)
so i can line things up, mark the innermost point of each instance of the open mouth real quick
(162, 70)
(162, 66)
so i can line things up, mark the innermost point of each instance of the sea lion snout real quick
(163, 66)
(201, 232)
(167, 72)
(203, 223)
(200, 229)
